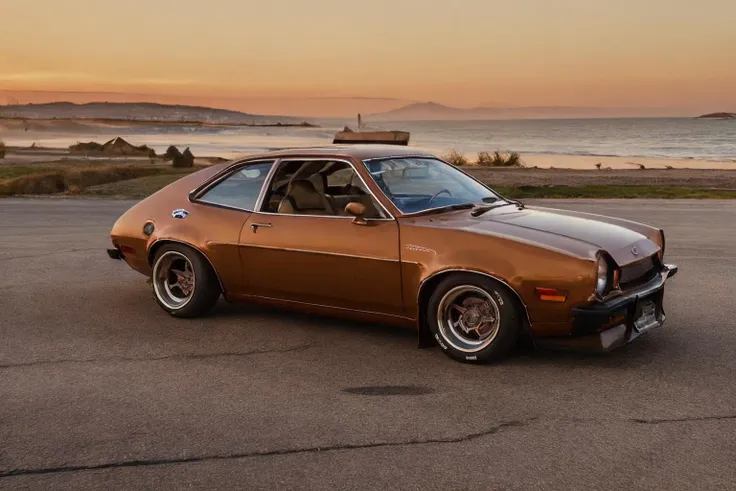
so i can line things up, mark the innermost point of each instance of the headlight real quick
(601, 284)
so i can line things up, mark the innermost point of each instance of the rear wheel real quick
(474, 319)
(184, 283)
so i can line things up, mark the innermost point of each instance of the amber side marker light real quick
(550, 294)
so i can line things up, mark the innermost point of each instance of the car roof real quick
(358, 151)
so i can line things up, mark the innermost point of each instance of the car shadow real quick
(322, 322)
(640, 353)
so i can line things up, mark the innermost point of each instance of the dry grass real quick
(455, 158)
(137, 188)
(73, 179)
(499, 159)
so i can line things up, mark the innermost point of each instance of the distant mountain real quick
(136, 111)
(432, 111)
(718, 116)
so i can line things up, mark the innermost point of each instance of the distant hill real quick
(432, 111)
(137, 111)
(718, 116)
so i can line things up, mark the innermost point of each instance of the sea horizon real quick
(646, 137)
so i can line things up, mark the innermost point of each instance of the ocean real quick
(659, 138)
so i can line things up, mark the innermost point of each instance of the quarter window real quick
(240, 189)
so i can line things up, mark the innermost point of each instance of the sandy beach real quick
(585, 162)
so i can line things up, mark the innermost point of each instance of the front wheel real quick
(184, 283)
(474, 319)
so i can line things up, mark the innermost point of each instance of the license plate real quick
(648, 317)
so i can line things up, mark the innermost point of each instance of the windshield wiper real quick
(483, 209)
(442, 209)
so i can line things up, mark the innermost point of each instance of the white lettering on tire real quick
(498, 297)
(437, 336)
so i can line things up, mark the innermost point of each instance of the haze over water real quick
(658, 138)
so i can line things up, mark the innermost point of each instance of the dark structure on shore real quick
(116, 146)
(179, 159)
(376, 137)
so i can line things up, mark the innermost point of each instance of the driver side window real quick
(317, 187)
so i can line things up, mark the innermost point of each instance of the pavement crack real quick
(268, 453)
(31, 256)
(190, 356)
(658, 421)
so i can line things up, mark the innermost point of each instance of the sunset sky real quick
(335, 57)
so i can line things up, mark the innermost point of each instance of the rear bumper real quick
(616, 322)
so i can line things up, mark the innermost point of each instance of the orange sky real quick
(313, 57)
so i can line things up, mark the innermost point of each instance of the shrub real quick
(498, 159)
(171, 153)
(2, 149)
(185, 159)
(455, 158)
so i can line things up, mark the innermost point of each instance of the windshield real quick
(419, 184)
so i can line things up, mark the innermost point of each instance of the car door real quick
(328, 260)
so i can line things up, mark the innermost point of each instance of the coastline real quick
(29, 155)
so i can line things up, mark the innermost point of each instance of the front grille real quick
(638, 273)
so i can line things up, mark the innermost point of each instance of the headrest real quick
(304, 195)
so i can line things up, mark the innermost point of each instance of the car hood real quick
(553, 229)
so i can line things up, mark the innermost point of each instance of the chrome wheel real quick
(468, 318)
(173, 279)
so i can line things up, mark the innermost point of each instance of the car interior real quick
(321, 187)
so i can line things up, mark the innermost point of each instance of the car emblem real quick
(634, 251)
(180, 213)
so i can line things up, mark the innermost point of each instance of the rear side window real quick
(240, 189)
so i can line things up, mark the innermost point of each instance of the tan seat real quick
(302, 198)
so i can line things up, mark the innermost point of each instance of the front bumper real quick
(618, 321)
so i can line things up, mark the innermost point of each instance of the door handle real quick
(255, 226)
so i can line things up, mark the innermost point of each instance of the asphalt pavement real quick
(100, 389)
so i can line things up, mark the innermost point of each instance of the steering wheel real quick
(437, 194)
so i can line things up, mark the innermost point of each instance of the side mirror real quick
(358, 211)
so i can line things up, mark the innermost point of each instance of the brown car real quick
(392, 234)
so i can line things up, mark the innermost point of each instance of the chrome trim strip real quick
(150, 259)
(383, 314)
(457, 270)
(319, 216)
(267, 183)
(652, 286)
(427, 210)
(323, 253)
(409, 156)
(655, 283)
